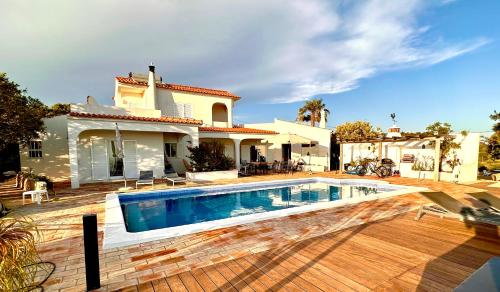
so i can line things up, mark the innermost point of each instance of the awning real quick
(289, 139)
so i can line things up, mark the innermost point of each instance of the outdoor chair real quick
(283, 165)
(492, 201)
(289, 166)
(37, 193)
(174, 177)
(145, 178)
(445, 205)
(244, 168)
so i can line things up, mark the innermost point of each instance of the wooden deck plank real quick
(218, 279)
(308, 270)
(250, 279)
(231, 277)
(394, 254)
(145, 287)
(190, 282)
(257, 274)
(160, 285)
(273, 274)
(175, 283)
(331, 272)
(204, 280)
(282, 275)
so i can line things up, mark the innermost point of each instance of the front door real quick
(253, 153)
(130, 159)
(99, 159)
(286, 152)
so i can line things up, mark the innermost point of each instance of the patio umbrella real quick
(289, 138)
(118, 142)
(119, 148)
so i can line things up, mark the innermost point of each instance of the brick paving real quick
(60, 224)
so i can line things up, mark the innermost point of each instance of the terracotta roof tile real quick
(178, 87)
(236, 130)
(172, 120)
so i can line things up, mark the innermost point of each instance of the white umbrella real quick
(118, 142)
(119, 149)
(289, 138)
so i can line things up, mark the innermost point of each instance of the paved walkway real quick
(60, 223)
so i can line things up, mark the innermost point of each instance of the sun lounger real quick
(445, 205)
(492, 201)
(174, 178)
(483, 279)
(145, 178)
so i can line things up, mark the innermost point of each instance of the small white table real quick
(36, 194)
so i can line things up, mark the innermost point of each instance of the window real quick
(170, 149)
(182, 110)
(35, 149)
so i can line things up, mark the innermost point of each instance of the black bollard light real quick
(91, 248)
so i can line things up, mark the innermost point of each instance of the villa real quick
(158, 121)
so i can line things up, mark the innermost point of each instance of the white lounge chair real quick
(145, 178)
(174, 177)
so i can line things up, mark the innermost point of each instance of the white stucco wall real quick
(468, 155)
(149, 151)
(201, 105)
(55, 160)
(319, 155)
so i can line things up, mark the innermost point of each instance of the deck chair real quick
(445, 205)
(145, 178)
(492, 201)
(174, 177)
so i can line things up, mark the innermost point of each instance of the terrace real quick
(372, 245)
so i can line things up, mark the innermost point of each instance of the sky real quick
(424, 60)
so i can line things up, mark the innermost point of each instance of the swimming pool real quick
(145, 216)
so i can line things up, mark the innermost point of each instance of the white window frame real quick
(169, 152)
(35, 153)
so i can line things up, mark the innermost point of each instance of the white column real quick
(437, 156)
(195, 139)
(237, 150)
(73, 159)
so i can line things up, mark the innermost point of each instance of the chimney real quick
(322, 122)
(150, 94)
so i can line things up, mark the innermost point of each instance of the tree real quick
(443, 131)
(59, 109)
(393, 118)
(357, 131)
(311, 111)
(494, 140)
(496, 117)
(20, 114)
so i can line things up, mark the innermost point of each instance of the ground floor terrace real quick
(374, 245)
(93, 154)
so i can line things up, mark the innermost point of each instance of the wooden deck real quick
(397, 254)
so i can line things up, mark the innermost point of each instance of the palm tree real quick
(311, 111)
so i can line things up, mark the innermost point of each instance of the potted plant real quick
(20, 265)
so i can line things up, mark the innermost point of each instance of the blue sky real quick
(424, 60)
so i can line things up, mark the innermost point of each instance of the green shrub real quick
(209, 156)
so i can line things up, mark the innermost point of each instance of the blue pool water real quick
(157, 212)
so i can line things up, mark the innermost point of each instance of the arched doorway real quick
(219, 115)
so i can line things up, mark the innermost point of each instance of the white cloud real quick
(269, 51)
